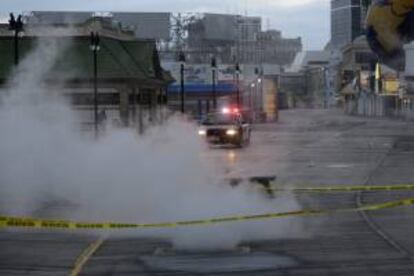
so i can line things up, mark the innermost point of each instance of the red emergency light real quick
(227, 110)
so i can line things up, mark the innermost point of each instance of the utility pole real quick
(213, 71)
(259, 90)
(237, 67)
(140, 115)
(181, 59)
(95, 40)
(17, 27)
(134, 105)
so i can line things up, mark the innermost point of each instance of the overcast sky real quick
(306, 18)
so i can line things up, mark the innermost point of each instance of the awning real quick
(222, 89)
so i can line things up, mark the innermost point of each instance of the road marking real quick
(85, 256)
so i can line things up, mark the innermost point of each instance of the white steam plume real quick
(121, 177)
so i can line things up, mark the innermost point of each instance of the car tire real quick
(240, 144)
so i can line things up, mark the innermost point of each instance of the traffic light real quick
(15, 25)
(213, 62)
(95, 41)
(237, 67)
(12, 22)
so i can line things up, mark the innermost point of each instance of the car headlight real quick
(202, 132)
(231, 132)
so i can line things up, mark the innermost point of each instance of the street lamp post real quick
(181, 59)
(325, 83)
(95, 40)
(237, 67)
(252, 100)
(17, 27)
(214, 70)
(259, 90)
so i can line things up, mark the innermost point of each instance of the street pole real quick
(95, 90)
(238, 89)
(95, 48)
(257, 91)
(182, 69)
(238, 85)
(16, 48)
(261, 96)
(214, 68)
(182, 88)
(252, 101)
(17, 27)
(140, 115)
(134, 105)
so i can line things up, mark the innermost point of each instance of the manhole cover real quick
(218, 262)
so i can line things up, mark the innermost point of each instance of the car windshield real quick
(220, 119)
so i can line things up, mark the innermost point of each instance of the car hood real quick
(219, 127)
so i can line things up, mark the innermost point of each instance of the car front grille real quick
(216, 132)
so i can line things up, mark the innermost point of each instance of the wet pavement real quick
(306, 148)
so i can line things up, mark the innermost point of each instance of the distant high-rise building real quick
(237, 38)
(275, 49)
(145, 25)
(347, 21)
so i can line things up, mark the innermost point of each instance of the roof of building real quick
(58, 17)
(117, 60)
(145, 25)
(309, 58)
(360, 42)
(105, 26)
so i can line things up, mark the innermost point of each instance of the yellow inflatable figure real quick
(390, 24)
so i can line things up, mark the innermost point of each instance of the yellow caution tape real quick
(343, 189)
(18, 222)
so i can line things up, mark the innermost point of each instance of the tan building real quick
(275, 49)
(359, 65)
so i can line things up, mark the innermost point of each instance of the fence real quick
(374, 105)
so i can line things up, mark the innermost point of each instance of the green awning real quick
(132, 60)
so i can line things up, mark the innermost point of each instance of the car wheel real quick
(240, 143)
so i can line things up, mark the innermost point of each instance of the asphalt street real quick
(307, 148)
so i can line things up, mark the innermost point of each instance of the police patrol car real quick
(225, 128)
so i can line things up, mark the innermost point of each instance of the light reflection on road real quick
(231, 158)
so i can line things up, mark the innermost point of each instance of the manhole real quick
(218, 262)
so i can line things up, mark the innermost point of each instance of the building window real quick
(88, 98)
(364, 58)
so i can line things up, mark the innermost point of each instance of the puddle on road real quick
(219, 262)
(340, 166)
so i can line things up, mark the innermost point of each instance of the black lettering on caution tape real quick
(89, 225)
(54, 224)
(20, 223)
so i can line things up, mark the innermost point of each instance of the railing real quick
(373, 105)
